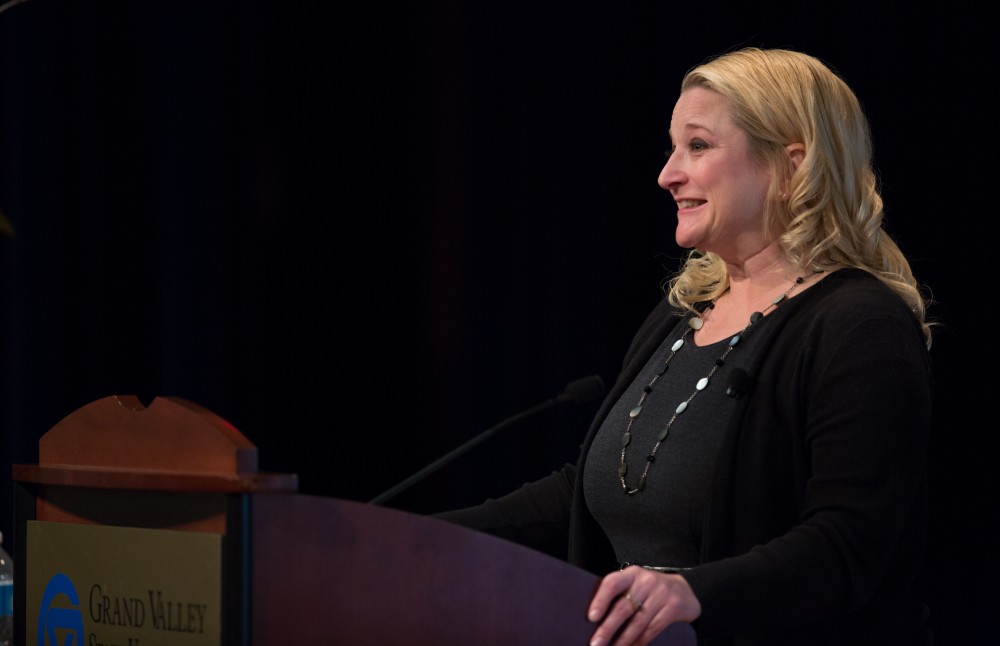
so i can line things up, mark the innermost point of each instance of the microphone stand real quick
(580, 390)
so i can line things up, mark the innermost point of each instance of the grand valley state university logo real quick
(59, 625)
(60, 616)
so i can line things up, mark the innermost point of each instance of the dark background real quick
(364, 235)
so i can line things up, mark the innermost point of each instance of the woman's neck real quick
(754, 286)
(759, 278)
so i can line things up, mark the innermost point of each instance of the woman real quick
(758, 468)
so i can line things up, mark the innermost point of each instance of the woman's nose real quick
(669, 175)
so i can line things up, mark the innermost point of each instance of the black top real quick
(662, 524)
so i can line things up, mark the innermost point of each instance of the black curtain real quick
(365, 233)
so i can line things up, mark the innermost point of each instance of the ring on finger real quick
(636, 605)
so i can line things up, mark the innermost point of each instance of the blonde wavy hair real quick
(832, 213)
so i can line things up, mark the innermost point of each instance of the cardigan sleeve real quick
(820, 513)
(536, 515)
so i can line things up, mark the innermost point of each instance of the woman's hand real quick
(635, 605)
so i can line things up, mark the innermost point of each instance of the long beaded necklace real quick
(694, 323)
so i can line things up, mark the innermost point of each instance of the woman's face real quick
(719, 189)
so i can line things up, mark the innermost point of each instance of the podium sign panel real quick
(91, 584)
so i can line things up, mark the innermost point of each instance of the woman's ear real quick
(796, 153)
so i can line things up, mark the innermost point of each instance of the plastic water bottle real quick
(6, 597)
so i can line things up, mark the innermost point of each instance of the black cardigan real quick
(816, 525)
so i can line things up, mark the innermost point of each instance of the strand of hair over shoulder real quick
(9, 4)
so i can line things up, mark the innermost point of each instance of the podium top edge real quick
(165, 481)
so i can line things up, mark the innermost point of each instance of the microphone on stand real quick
(581, 391)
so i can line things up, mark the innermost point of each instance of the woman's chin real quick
(685, 240)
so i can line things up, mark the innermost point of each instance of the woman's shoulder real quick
(658, 322)
(850, 289)
(853, 300)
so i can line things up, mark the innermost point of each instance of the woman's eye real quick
(696, 145)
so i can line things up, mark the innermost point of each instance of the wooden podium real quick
(293, 568)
